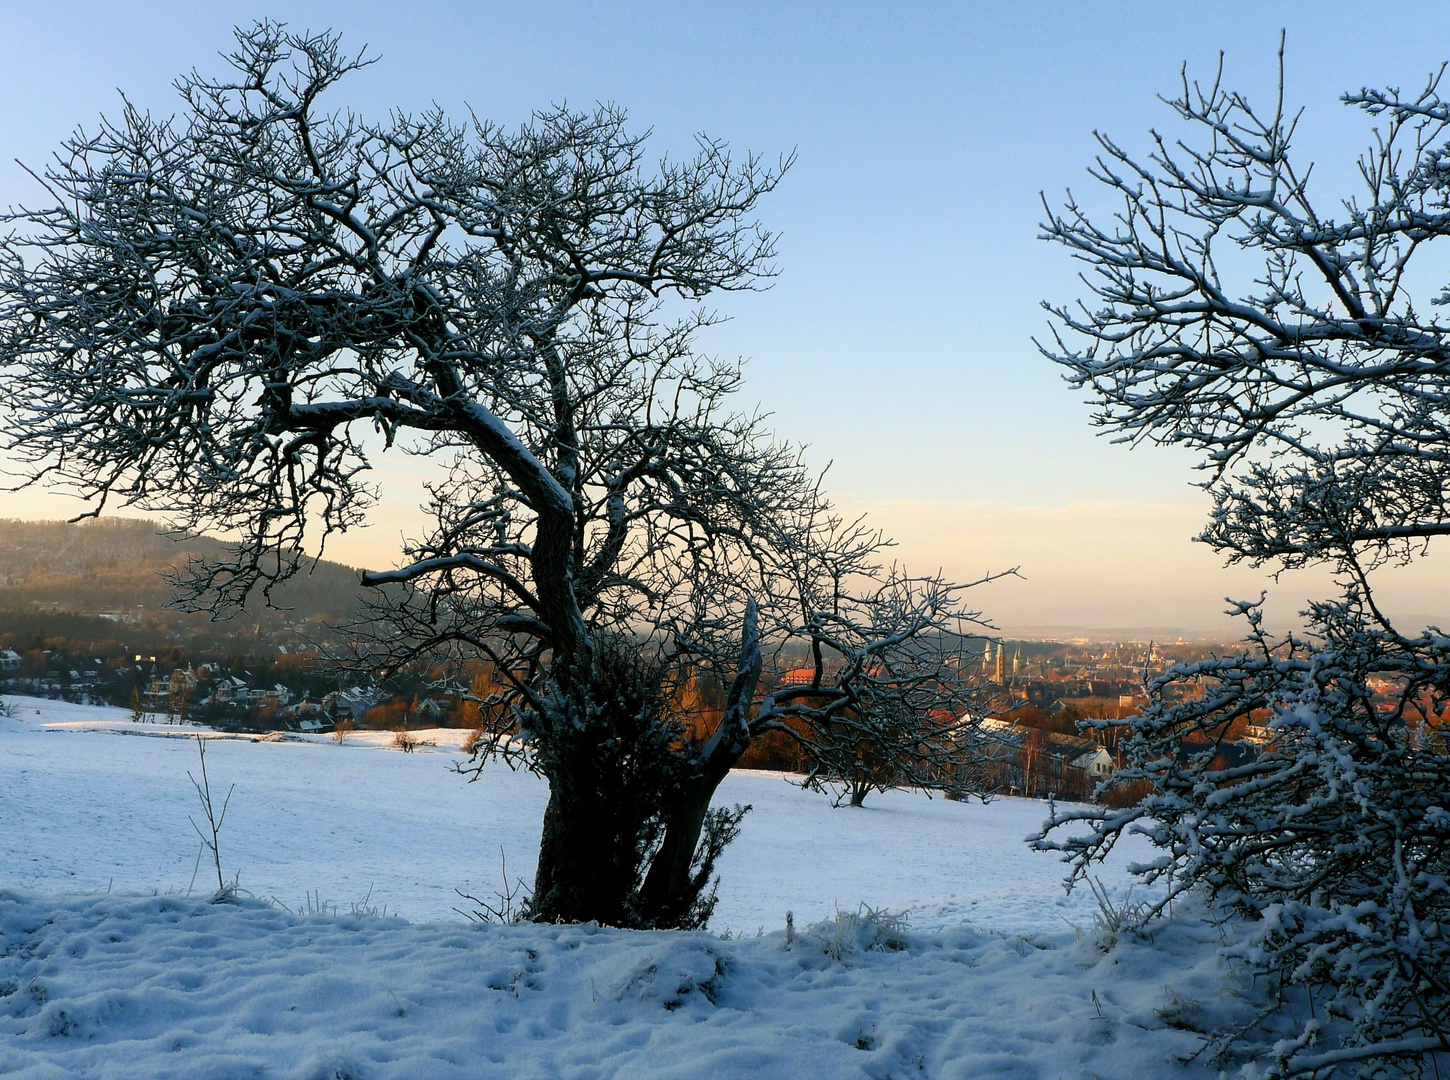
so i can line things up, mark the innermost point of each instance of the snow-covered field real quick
(83, 809)
(109, 969)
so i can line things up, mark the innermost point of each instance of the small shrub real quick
(211, 835)
(403, 740)
(340, 730)
(470, 741)
(1113, 921)
(864, 930)
(510, 904)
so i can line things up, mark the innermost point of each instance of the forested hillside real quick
(115, 567)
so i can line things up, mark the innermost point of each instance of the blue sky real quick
(897, 339)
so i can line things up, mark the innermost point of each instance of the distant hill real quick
(113, 567)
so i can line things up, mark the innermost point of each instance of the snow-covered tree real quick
(228, 316)
(1294, 345)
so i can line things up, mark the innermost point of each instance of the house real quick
(306, 716)
(1029, 761)
(232, 688)
(353, 702)
(1258, 734)
(9, 661)
(1096, 763)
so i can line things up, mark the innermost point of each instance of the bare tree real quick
(1032, 759)
(1232, 312)
(226, 317)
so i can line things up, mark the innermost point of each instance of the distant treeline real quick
(152, 632)
(55, 569)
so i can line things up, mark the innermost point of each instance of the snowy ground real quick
(989, 980)
(83, 809)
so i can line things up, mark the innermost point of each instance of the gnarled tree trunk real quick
(672, 884)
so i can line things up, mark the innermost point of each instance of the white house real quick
(1097, 763)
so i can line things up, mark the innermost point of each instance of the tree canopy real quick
(1294, 345)
(229, 315)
